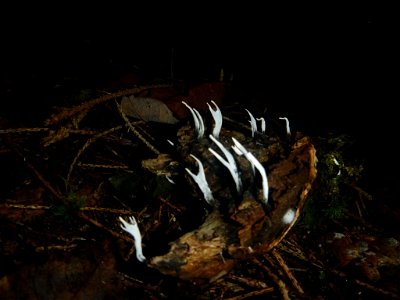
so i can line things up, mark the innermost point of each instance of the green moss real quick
(332, 194)
(68, 210)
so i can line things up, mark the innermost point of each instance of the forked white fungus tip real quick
(217, 116)
(133, 229)
(253, 123)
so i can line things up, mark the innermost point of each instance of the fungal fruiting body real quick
(241, 222)
(230, 163)
(217, 116)
(287, 125)
(263, 126)
(253, 123)
(288, 217)
(201, 181)
(133, 229)
(198, 120)
(254, 161)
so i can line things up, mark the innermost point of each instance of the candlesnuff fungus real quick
(240, 153)
(230, 163)
(170, 180)
(253, 123)
(217, 116)
(198, 120)
(250, 157)
(201, 181)
(263, 127)
(133, 229)
(230, 233)
(336, 163)
(287, 125)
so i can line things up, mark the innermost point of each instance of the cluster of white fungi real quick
(229, 162)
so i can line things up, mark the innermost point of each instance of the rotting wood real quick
(197, 254)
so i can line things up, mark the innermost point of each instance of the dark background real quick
(301, 58)
(330, 68)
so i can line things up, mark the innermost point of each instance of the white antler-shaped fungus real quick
(198, 121)
(253, 123)
(217, 116)
(201, 127)
(201, 181)
(133, 229)
(240, 153)
(229, 163)
(263, 127)
(287, 125)
(250, 157)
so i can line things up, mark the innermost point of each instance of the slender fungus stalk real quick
(217, 116)
(133, 229)
(201, 124)
(239, 153)
(253, 123)
(336, 163)
(262, 120)
(258, 166)
(198, 121)
(229, 163)
(287, 125)
(170, 180)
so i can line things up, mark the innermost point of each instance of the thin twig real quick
(368, 286)
(281, 285)
(135, 132)
(41, 178)
(22, 130)
(170, 204)
(108, 210)
(97, 166)
(99, 225)
(86, 145)
(287, 271)
(69, 112)
(55, 247)
(86, 208)
(251, 282)
(251, 294)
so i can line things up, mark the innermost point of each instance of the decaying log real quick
(214, 248)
